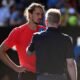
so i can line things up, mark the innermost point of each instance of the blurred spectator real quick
(4, 15)
(17, 17)
(64, 16)
(13, 8)
(8, 3)
(54, 3)
(72, 17)
(24, 3)
(77, 50)
(71, 3)
(78, 19)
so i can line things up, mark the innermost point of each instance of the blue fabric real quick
(52, 3)
(77, 52)
(41, 29)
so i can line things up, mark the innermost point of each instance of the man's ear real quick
(46, 22)
(30, 15)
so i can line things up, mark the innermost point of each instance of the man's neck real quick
(32, 26)
(54, 26)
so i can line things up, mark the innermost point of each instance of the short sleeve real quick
(69, 46)
(11, 40)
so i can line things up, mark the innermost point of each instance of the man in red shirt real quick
(20, 37)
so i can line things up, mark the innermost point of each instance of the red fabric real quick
(21, 37)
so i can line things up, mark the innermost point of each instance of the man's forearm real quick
(72, 70)
(5, 58)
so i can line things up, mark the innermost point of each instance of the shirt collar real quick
(53, 29)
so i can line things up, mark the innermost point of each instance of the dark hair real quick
(32, 7)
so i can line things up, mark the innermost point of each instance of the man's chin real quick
(36, 23)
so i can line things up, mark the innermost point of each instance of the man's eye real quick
(39, 14)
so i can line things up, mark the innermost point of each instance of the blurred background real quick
(12, 15)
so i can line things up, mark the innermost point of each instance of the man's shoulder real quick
(41, 28)
(67, 37)
(21, 27)
(37, 34)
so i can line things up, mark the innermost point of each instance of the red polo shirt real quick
(21, 37)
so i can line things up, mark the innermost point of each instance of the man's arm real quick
(5, 58)
(71, 64)
(72, 68)
(31, 49)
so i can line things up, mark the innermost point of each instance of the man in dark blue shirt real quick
(54, 50)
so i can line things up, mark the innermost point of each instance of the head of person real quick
(34, 13)
(1, 3)
(52, 17)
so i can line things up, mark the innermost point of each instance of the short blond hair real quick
(53, 16)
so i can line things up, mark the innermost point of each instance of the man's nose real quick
(40, 16)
